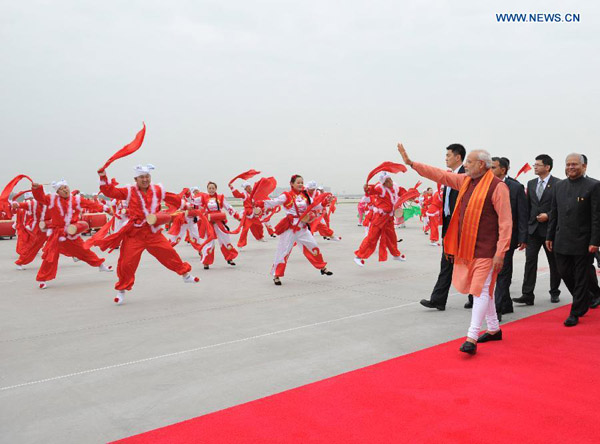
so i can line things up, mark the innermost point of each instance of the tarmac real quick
(77, 368)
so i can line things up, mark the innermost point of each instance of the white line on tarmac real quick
(206, 347)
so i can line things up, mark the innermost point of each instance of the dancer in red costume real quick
(321, 223)
(251, 222)
(215, 205)
(63, 210)
(294, 228)
(30, 235)
(434, 214)
(384, 197)
(137, 236)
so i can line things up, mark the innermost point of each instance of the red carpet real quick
(539, 385)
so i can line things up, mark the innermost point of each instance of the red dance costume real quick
(381, 224)
(137, 236)
(251, 222)
(62, 212)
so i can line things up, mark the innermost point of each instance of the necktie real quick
(540, 189)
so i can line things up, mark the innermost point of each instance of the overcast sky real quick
(320, 88)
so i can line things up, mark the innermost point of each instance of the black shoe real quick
(571, 321)
(595, 302)
(429, 304)
(554, 299)
(487, 337)
(206, 267)
(272, 235)
(469, 303)
(231, 263)
(468, 347)
(326, 272)
(276, 281)
(527, 300)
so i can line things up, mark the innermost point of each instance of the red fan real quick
(390, 167)
(127, 149)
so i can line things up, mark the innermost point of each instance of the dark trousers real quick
(439, 295)
(503, 281)
(575, 272)
(594, 289)
(534, 243)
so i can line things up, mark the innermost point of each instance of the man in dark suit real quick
(455, 156)
(539, 199)
(594, 288)
(520, 216)
(574, 233)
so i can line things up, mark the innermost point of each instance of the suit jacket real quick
(452, 202)
(543, 205)
(520, 211)
(575, 217)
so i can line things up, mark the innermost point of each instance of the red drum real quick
(6, 228)
(217, 217)
(158, 219)
(78, 228)
(193, 213)
(96, 220)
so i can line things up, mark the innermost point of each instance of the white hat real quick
(246, 184)
(311, 185)
(384, 176)
(59, 183)
(28, 195)
(320, 188)
(140, 170)
(194, 189)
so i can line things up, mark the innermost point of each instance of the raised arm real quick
(38, 194)
(236, 193)
(109, 188)
(439, 175)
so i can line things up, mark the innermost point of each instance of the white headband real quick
(384, 176)
(140, 170)
(56, 185)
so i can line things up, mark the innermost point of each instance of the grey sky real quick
(321, 88)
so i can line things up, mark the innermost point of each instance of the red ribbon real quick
(523, 169)
(390, 167)
(128, 149)
(245, 175)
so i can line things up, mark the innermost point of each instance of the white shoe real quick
(189, 279)
(76, 259)
(43, 285)
(104, 268)
(120, 297)
(20, 267)
(336, 238)
(401, 258)
(262, 239)
(434, 244)
(360, 262)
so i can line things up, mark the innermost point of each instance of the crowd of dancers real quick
(479, 241)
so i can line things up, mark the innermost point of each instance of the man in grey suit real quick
(574, 233)
(539, 199)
